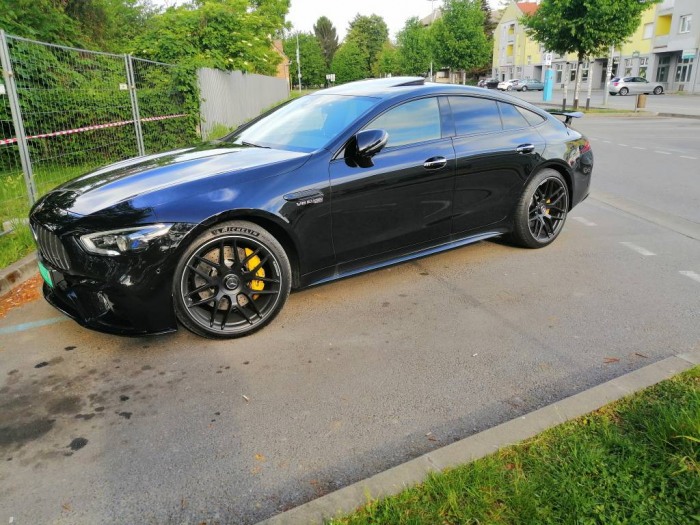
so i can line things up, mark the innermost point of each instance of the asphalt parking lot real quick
(356, 376)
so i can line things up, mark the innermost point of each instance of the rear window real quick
(616, 79)
(475, 115)
(533, 118)
(512, 119)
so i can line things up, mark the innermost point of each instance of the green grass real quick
(632, 462)
(14, 206)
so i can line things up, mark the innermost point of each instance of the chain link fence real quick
(65, 111)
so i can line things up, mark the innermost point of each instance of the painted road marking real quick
(607, 141)
(687, 157)
(639, 249)
(637, 147)
(34, 324)
(662, 152)
(623, 145)
(584, 221)
(694, 276)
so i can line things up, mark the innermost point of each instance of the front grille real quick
(51, 248)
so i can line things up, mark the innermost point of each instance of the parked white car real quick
(634, 85)
(509, 85)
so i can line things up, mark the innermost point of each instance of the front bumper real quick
(111, 307)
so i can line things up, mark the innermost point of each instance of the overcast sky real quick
(304, 13)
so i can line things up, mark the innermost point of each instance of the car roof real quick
(405, 87)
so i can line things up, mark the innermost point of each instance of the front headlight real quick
(127, 240)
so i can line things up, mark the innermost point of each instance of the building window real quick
(559, 73)
(584, 71)
(529, 60)
(685, 23)
(648, 31)
(683, 70)
(662, 69)
(643, 66)
(628, 67)
(572, 74)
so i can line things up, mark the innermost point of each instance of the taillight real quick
(586, 147)
(615, 83)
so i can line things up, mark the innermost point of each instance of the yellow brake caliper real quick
(252, 263)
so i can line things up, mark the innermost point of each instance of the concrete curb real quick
(17, 273)
(679, 115)
(413, 472)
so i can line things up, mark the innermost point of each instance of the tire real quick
(612, 93)
(624, 91)
(231, 281)
(509, 88)
(658, 90)
(536, 219)
(524, 88)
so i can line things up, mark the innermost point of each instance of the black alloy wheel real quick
(624, 91)
(658, 90)
(231, 281)
(541, 211)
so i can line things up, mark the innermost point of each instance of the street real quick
(357, 376)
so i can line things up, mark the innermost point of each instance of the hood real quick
(141, 176)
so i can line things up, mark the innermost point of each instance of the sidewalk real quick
(665, 105)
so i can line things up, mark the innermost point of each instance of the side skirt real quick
(342, 274)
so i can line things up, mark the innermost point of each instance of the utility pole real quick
(608, 74)
(298, 64)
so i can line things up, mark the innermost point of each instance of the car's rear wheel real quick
(658, 90)
(624, 91)
(541, 211)
(509, 88)
(231, 281)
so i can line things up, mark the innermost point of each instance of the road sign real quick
(547, 59)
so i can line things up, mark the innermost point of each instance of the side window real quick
(533, 118)
(512, 119)
(475, 115)
(409, 123)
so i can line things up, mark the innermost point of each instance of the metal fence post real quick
(131, 80)
(16, 111)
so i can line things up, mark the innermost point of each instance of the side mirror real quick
(370, 142)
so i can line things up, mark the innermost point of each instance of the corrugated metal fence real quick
(229, 98)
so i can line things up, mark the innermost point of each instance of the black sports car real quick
(342, 181)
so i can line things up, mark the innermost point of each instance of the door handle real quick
(525, 148)
(435, 163)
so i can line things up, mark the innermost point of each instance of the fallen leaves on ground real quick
(26, 292)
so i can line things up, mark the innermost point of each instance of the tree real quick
(584, 27)
(349, 63)
(369, 33)
(414, 48)
(489, 23)
(226, 34)
(388, 61)
(460, 42)
(313, 65)
(327, 38)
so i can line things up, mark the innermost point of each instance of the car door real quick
(403, 195)
(496, 150)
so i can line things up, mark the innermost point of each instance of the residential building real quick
(664, 48)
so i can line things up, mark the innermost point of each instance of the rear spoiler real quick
(568, 114)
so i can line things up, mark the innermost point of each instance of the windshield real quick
(306, 124)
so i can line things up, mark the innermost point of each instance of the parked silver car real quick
(634, 85)
(529, 84)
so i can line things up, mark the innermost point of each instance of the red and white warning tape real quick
(90, 128)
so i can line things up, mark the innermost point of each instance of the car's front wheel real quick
(524, 88)
(541, 211)
(231, 280)
(509, 88)
(658, 90)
